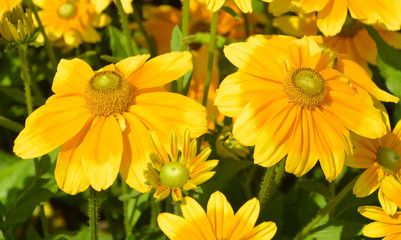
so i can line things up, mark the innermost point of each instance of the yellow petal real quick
(176, 193)
(90, 35)
(194, 213)
(70, 175)
(363, 158)
(127, 6)
(202, 177)
(332, 17)
(100, 5)
(388, 206)
(137, 147)
(214, 5)
(304, 52)
(71, 76)
(161, 70)
(103, 146)
(298, 26)
(379, 229)
(220, 214)
(162, 192)
(378, 214)
(244, 5)
(392, 189)
(131, 64)
(176, 110)
(244, 220)
(177, 228)
(313, 5)
(264, 231)
(368, 182)
(50, 126)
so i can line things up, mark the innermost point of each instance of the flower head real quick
(219, 222)
(102, 119)
(290, 101)
(173, 169)
(72, 21)
(381, 159)
(384, 225)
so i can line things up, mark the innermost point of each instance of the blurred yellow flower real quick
(289, 101)
(172, 169)
(380, 157)
(73, 22)
(219, 222)
(102, 118)
(214, 5)
(101, 5)
(385, 226)
(7, 5)
(332, 14)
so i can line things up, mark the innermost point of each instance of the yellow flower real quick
(219, 222)
(289, 101)
(172, 169)
(380, 157)
(384, 225)
(7, 5)
(332, 14)
(72, 21)
(214, 5)
(101, 5)
(102, 118)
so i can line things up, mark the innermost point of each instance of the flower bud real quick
(228, 147)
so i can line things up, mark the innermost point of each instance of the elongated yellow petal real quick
(388, 206)
(332, 17)
(244, 220)
(378, 214)
(129, 65)
(194, 213)
(264, 231)
(368, 182)
(220, 214)
(244, 5)
(392, 189)
(177, 228)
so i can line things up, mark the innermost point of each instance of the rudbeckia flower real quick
(72, 21)
(381, 159)
(332, 14)
(289, 101)
(385, 226)
(7, 5)
(173, 169)
(102, 119)
(219, 222)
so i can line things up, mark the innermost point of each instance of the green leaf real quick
(118, 43)
(9, 124)
(32, 234)
(138, 206)
(187, 82)
(315, 186)
(336, 230)
(230, 11)
(176, 37)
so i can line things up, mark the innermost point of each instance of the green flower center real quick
(389, 160)
(108, 93)
(305, 87)
(174, 175)
(67, 10)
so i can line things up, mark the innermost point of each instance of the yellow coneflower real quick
(173, 170)
(385, 226)
(219, 222)
(102, 119)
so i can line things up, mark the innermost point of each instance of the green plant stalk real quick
(127, 226)
(246, 24)
(26, 78)
(126, 30)
(212, 47)
(43, 219)
(93, 214)
(49, 48)
(150, 40)
(9, 124)
(155, 210)
(271, 181)
(330, 206)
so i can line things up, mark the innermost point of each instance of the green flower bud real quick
(174, 175)
(228, 147)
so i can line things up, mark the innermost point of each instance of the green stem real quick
(269, 19)
(49, 48)
(185, 25)
(330, 206)
(43, 219)
(93, 214)
(126, 30)
(271, 181)
(151, 42)
(155, 207)
(9, 124)
(127, 226)
(246, 24)
(26, 78)
(212, 46)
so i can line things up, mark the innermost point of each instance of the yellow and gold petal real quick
(244, 5)
(69, 173)
(392, 189)
(189, 186)
(238, 89)
(176, 110)
(299, 26)
(368, 182)
(202, 177)
(103, 146)
(137, 147)
(256, 60)
(202, 157)
(379, 229)
(214, 5)
(176, 194)
(71, 76)
(378, 214)
(100, 5)
(346, 106)
(194, 213)
(244, 220)
(127, 6)
(304, 52)
(332, 17)
(162, 192)
(90, 35)
(177, 228)
(51, 125)
(159, 148)
(204, 167)
(388, 206)
(129, 65)
(312, 5)
(220, 214)
(362, 158)
(264, 231)
(161, 70)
